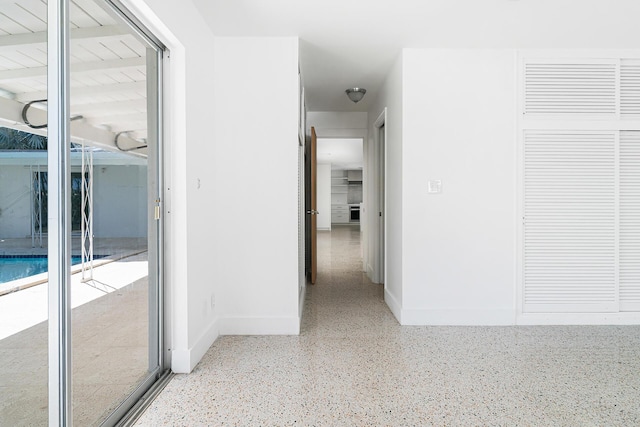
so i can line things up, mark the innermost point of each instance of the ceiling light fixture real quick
(356, 94)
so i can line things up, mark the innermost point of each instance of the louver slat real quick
(570, 89)
(630, 88)
(569, 230)
(630, 221)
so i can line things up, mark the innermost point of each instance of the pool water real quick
(18, 267)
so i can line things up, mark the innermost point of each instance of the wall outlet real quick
(212, 301)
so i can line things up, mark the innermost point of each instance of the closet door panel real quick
(570, 221)
(630, 221)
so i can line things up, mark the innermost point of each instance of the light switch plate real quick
(435, 186)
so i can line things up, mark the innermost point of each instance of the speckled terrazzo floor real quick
(353, 365)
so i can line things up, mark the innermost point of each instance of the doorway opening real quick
(378, 233)
(338, 187)
(339, 182)
(349, 209)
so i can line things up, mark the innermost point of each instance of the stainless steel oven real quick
(354, 213)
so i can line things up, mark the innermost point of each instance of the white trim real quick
(260, 325)
(458, 317)
(183, 361)
(327, 133)
(578, 319)
(519, 189)
(369, 270)
(587, 55)
(355, 133)
(382, 119)
(393, 305)
(378, 276)
(584, 125)
(301, 297)
(616, 214)
(175, 206)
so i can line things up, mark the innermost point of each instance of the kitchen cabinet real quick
(346, 189)
(339, 187)
(340, 214)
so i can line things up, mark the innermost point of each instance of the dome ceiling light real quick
(356, 94)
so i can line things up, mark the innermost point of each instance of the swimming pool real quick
(14, 267)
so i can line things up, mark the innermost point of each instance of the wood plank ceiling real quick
(108, 65)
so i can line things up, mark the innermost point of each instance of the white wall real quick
(458, 251)
(391, 98)
(334, 124)
(255, 237)
(191, 204)
(323, 193)
(15, 202)
(120, 197)
(232, 112)
(120, 201)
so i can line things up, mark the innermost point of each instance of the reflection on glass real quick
(113, 188)
(23, 244)
(110, 305)
(110, 215)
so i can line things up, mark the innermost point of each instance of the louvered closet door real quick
(569, 224)
(565, 88)
(630, 88)
(630, 221)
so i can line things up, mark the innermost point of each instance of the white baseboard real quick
(393, 305)
(184, 360)
(303, 293)
(369, 271)
(260, 326)
(323, 228)
(457, 317)
(578, 319)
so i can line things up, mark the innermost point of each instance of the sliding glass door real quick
(23, 234)
(115, 319)
(87, 199)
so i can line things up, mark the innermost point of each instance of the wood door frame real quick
(314, 205)
(310, 206)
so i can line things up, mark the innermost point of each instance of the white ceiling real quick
(340, 153)
(343, 43)
(347, 43)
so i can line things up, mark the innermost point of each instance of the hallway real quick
(354, 365)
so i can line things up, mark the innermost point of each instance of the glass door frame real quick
(59, 245)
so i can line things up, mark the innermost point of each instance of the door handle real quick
(312, 212)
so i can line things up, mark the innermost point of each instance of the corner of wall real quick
(394, 305)
(184, 360)
(301, 298)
